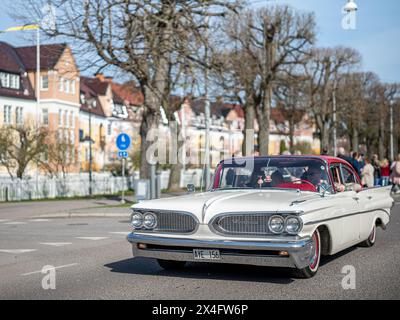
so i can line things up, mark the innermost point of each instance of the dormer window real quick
(11, 81)
(120, 111)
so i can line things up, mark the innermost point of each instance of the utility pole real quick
(207, 114)
(90, 102)
(391, 132)
(334, 116)
(38, 85)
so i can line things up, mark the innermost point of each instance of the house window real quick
(45, 116)
(14, 82)
(61, 85)
(59, 117)
(80, 135)
(44, 83)
(73, 86)
(67, 86)
(7, 114)
(19, 117)
(66, 119)
(109, 129)
(5, 79)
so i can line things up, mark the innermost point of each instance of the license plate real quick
(200, 254)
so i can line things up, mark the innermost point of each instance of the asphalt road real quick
(94, 261)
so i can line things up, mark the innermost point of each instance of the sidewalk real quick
(104, 207)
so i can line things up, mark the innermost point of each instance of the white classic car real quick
(284, 211)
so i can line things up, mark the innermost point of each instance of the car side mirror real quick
(191, 188)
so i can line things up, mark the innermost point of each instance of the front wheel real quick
(311, 270)
(170, 264)
(371, 239)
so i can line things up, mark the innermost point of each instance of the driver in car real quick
(315, 175)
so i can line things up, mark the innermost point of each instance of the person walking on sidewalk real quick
(385, 172)
(395, 175)
(368, 174)
(377, 170)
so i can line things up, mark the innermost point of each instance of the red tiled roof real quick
(49, 56)
(10, 62)
(89, 93)
(127, 92)
(96, 85)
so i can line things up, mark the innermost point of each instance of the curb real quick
(84, 215)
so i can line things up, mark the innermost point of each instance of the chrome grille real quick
(243, 224)
(174, 221)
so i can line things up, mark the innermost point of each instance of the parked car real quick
(284, 211)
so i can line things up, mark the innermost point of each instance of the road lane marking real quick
(40, 220)
(40, 271)
(4, 220)
(92, 238)
(14, 222)
(17, 251)
(56, 244)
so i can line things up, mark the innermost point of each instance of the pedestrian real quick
(377, 170)
(342, 155)
(355, 163)
(361, 160)
(395, 175)
(367, 179)
(385, 172)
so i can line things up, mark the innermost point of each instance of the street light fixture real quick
(350, 6)
(91, 103)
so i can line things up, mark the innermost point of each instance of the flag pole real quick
(37, 99)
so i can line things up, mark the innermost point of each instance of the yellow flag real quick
(23, 28)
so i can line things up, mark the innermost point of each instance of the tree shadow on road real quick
(211, 271)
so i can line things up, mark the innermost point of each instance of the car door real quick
(351, 223)
(348, 207)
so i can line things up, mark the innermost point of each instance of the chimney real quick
(100, 76)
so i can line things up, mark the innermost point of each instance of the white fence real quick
(78, 185)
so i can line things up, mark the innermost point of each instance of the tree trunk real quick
(291, 135)
(176, 158)
(263, 117)
(324, 136)
(149, 122)
(355, 141)
(248, 134)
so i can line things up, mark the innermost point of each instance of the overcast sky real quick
(377, 34)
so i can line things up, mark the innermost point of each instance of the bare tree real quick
(21, 146)
(353, 105)
(322, 70)
(267, 42)
(292, 103)
(138, 37)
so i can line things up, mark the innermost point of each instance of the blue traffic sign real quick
(122, 154)
(123, 142)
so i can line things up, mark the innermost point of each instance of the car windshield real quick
(307, 174)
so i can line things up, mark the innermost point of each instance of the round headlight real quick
(137, 220)
(276, 224)
(149, 221)
(293, 225)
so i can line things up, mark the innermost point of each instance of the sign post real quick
(123, 144)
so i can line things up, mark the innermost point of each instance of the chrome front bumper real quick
(238, 252)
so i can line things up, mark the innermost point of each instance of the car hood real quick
(208, 204)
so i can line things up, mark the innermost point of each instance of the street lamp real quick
(91, 103)
(350, 6)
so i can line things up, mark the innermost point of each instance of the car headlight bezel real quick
(299, 223)
(139, 217)
(154, 219)
(270, 222)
